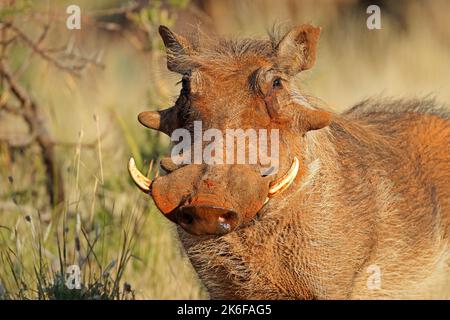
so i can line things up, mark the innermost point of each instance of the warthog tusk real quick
(139, 179)
(285, 181)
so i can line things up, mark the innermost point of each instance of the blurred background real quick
(68, 106)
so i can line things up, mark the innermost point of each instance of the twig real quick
(25, 142)
(10, 109)
(74, 70)
(36, 122)
(27, 61)
(8, 41)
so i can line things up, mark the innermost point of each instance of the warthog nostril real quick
(186, 217)
(207, 219)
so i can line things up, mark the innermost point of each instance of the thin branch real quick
(27, 61)
(25, 142)
(10, 109)
(36, 123)
(44, 55)
(75, 69)
(7, 42)
(16, 88)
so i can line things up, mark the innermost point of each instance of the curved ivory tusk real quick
(285, 181)
(139, 179)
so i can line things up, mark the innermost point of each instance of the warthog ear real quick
(315, 119)
(305, 119)
(296, 51)
(178, 49)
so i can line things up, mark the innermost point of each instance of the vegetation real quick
(62, 204)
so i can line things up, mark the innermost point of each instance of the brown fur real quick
(373, 187)
(381, 196)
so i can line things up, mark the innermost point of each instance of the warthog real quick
(359, 207)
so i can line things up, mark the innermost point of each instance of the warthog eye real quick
(276, 84)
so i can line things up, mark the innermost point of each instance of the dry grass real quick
(353, 63)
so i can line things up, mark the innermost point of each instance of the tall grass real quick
(36, 255)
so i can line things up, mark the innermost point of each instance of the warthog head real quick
(228, 84)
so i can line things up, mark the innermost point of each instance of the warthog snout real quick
(210, 200)
(207, 200)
